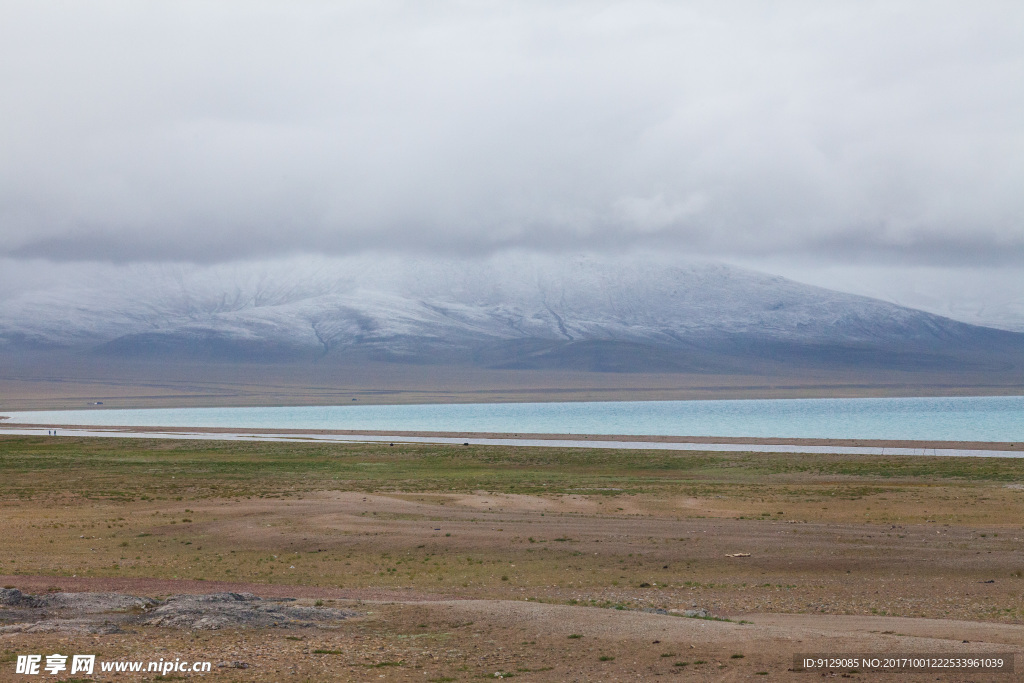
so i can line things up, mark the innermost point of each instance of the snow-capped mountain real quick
(510, 310)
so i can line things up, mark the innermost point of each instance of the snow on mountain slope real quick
(990, 296)
(406, 306)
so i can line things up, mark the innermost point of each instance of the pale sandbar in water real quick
(547, 442)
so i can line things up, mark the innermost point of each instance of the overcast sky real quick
(817, 139)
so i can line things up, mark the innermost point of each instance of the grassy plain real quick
(471, 560)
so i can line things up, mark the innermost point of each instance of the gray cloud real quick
(204, 131)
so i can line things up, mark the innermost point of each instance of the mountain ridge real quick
(628, 314)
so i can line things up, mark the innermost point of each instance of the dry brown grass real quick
(543, 543)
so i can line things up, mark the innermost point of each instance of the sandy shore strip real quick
(644, 438)
(631, 442)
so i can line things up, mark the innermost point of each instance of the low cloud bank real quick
(210, 132)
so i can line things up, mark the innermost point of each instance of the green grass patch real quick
(145, 469)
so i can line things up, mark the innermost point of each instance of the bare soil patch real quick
(472, 639)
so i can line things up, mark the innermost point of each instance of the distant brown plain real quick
(67, 381)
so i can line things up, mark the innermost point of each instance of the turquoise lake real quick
(985, 418)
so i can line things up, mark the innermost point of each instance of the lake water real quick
(985, 418)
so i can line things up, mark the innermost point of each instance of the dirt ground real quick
(447, 640)
(576, 579)
(57, 380)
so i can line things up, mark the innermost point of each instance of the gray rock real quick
(12, 597)
(106, 612)
(238, 610)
